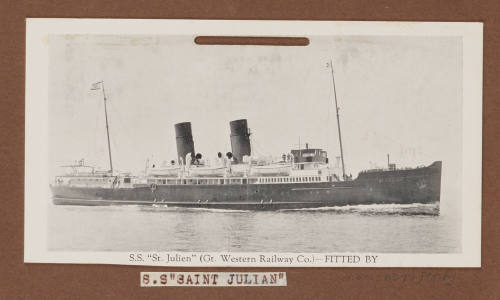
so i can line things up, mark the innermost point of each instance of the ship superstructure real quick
(301, 179)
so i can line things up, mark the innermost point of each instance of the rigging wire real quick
(257, 147)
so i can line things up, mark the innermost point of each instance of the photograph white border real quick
(36, 127)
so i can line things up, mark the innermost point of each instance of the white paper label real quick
(150, 279)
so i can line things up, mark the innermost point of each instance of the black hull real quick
(421, 185)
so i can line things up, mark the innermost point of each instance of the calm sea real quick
(364, 228)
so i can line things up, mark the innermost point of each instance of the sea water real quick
(413, 228)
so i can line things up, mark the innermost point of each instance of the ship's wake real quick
(163, 207)
(414, 209)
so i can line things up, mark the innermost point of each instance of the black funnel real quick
(184, 140)
(240, 139)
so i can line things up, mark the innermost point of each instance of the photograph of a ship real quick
(160, 127)
(301, 179)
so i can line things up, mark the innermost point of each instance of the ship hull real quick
(421, 185)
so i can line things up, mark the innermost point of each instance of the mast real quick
(107, 128)
(338, 121)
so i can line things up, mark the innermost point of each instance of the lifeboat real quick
(171, 171)
(277, 169)
(205, 171)
(239, 170)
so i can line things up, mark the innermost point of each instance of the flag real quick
(96, 86)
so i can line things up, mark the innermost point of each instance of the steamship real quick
(301, 178)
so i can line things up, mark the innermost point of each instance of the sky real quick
(397, 95)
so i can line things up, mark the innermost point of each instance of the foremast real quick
(97, 86)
